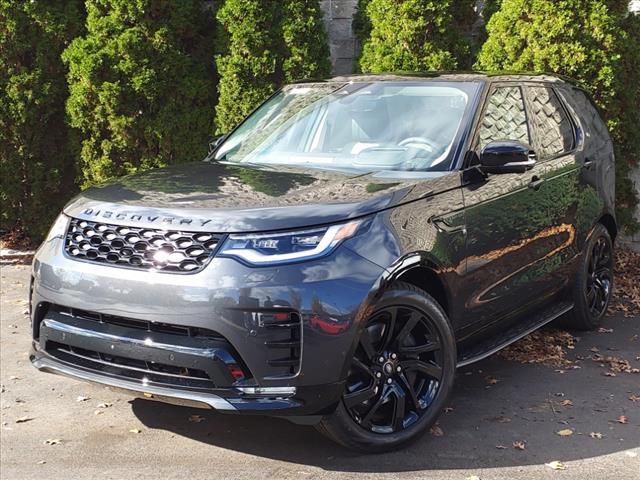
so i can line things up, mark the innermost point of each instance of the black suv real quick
(340, 253)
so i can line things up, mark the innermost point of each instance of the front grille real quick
(171, 251)
(144, 371)
(125, 347)
(181, 330)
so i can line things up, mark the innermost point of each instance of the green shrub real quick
(267, 43)
(592, 41)
(305, 41)
(36, 154)
(248, 69)
(416, 35)
(361, 25)
(142, 85)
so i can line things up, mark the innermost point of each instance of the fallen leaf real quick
(605, 330)
(81, 398)
(104, 405)
(436, 431)
(609, 374)
(52, 441)
(566, 403)
(98, 412)
(556, 465)
(565, 432)
(448, 409)
(519, 445)
(501, 447)
(196, 418)
(472, 477)
(548, 347)
(626, 295)
(23, 419)
(42, 462)
(634, 398)
(135, 430)
(621, 419)
(596, 435)
(615, 364)
(491, 381)
(594, 349)
(14, 377)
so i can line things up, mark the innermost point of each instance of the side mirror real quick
(215, 143)
(507, 156)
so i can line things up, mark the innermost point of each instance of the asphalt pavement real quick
(502, 423)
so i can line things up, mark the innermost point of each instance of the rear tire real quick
(593, 282)
(401, 376)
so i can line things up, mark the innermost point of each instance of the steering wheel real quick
(419, 142)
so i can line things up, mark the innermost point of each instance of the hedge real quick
(306, 45)
(415, 35)
(37, 158)
(142, 85)
(266, 44)
(593, 41)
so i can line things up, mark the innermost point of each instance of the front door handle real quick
(535, 182)
(588, 163)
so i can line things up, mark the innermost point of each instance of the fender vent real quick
(171, 251)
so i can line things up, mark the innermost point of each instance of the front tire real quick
(593, 283)
(401, 375)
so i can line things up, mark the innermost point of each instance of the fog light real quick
(268, 390)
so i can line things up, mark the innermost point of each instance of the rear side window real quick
(553, 129)
(589, 115)
(504, 118)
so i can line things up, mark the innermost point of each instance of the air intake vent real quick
(284, 341)
(171, 251)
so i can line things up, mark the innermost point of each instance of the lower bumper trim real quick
(208, 400)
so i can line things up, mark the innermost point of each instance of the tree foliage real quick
(416, 35)
(306, 53)
(36, 152)
(142, 85)
(266, 44)
(593, 41)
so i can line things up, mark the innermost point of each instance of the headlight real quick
(59, 228)
(274, 248)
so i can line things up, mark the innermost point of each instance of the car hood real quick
(215, 197)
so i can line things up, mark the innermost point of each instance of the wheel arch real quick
(610, 224)
(422, 271)
(418, 269)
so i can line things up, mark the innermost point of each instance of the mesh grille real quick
(140, 248)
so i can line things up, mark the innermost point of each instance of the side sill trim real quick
(521, 334)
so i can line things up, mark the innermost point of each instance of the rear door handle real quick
(535, 182)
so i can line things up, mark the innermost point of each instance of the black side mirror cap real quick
(507, 156)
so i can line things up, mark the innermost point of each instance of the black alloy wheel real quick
(401, 374)
(593, 282)
(599, 277)
(396, 371)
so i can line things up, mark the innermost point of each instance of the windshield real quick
(356, 125)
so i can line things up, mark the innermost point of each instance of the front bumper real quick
(299, 374)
